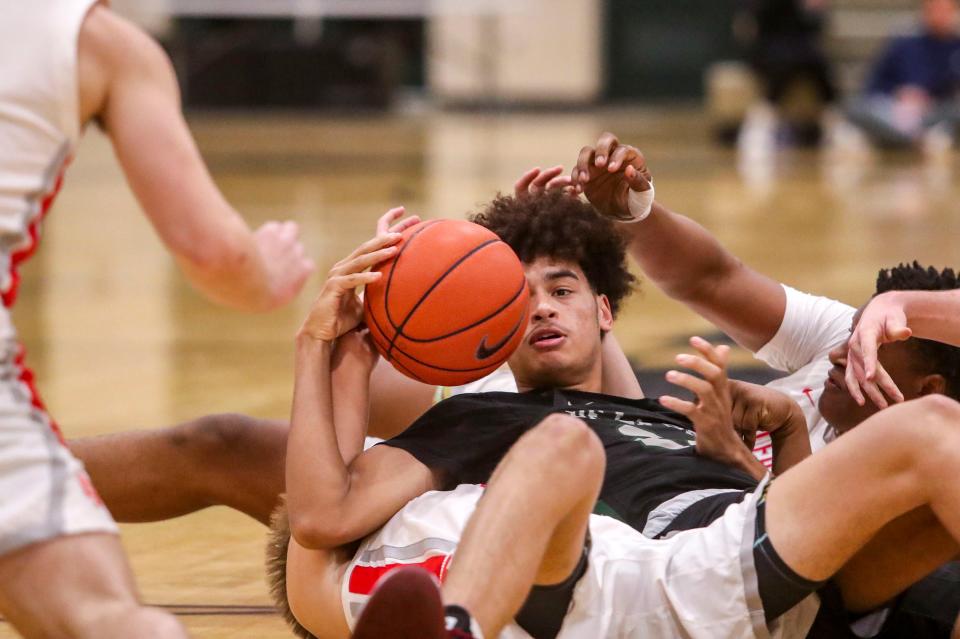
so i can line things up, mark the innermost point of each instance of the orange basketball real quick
(451, 306)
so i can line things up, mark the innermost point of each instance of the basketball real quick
(451, 307)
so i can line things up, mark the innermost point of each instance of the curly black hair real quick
(558, 226)
(943, 359)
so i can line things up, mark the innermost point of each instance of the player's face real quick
(837, 406)
(561, 347)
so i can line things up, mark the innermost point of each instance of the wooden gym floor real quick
(118, 341)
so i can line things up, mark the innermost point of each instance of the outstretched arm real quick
(128, 85)
(677, 254)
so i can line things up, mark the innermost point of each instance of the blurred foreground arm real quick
(128, 85)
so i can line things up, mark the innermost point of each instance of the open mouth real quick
(546, 338)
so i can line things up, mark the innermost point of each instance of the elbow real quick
(317, 531)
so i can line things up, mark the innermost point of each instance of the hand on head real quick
(607, 172)
(882, 321)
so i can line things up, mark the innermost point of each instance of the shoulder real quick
(111, 50)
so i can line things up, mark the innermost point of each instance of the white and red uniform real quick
(698, 584)
(45, 491)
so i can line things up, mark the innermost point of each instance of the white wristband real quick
(640, 203)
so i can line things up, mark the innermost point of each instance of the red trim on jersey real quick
(364, 578)
(27, 379)
(9, 296)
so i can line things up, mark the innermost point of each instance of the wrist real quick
(307, 341)
(639, 204)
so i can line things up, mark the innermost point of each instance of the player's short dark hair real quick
(561, 227)
(278, 541)
(942, 359)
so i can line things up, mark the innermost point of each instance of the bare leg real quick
(533, 518)
(79, 587)
(867, 493)
(149, 475)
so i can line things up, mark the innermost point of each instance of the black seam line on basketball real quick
(523, 286)
(391, 359)
(455, 370)
(436, 283)
(396, 261)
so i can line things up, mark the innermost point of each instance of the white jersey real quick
(812, 327)
(698, 584)
(39, 122)
(46, 491)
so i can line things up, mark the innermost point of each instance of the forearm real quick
(676, 253)
(351, 402)
(233, 273)
(688, 263)
(317, 478)
(933, 315)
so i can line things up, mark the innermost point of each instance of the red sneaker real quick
(406, 604)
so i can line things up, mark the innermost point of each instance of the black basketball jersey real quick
(650, 449)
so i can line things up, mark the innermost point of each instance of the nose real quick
(838, 355)
(542, 309)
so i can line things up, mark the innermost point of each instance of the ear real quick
(604, 314)
(933, 384)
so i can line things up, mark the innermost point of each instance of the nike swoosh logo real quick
(484, 351)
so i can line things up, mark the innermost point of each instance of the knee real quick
(939, 416)
(567, 444)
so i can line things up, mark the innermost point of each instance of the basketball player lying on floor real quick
(532, 518)
(801, 532)
(802, 334)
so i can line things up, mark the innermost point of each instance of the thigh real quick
(60, 586)
(827, 508)
(902, 553)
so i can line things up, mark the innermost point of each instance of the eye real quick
(562, 292)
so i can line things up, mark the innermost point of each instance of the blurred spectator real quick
(784, 40)
(911, 97)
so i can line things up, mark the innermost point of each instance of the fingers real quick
(353, 280)
(373, 244)
(636, 180)
(852, 382)
(678, 405)
(559, 182)
(701, 388)
(388, 218)
(363, 261)
(621, 155)
(887, 385)
(521, 188)
(581, 172)
(404, 224)
(606, 146)
(718, 355)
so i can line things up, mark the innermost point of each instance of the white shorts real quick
(698, 583)
(44, 490)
